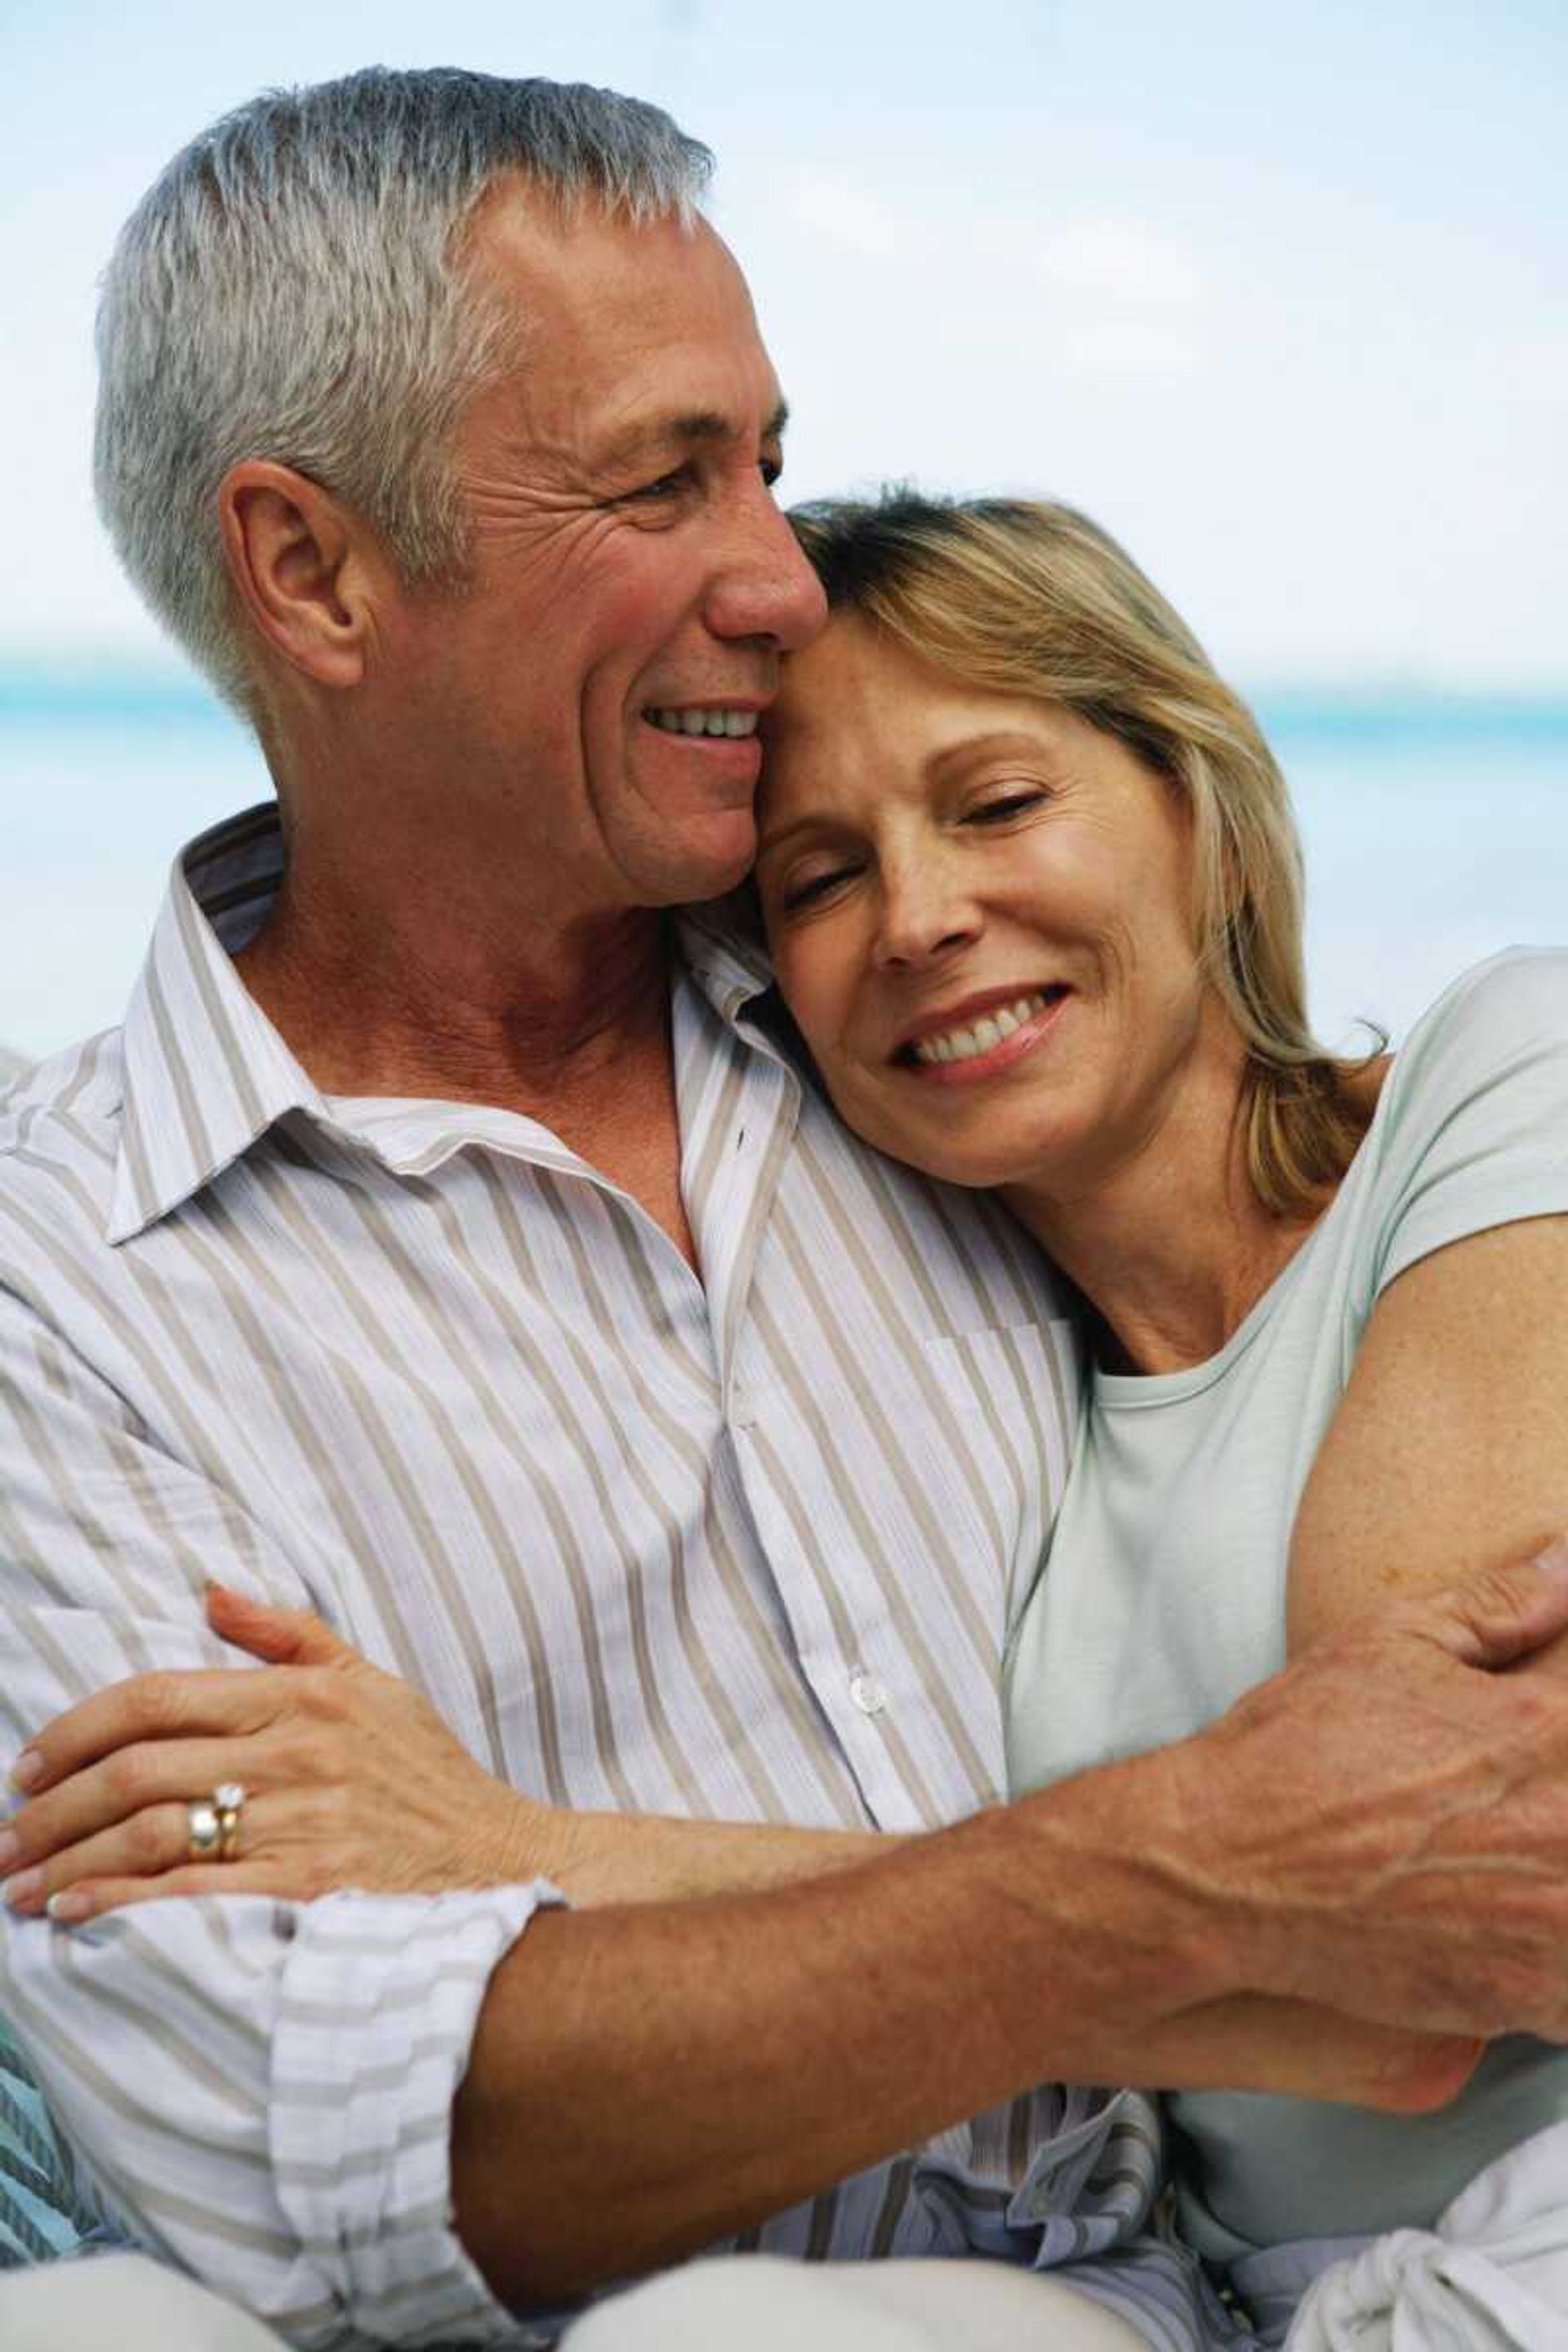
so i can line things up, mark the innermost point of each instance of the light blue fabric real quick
(1165, 1595)
(44, 2211)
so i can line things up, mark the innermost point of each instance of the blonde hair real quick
(1018, 596)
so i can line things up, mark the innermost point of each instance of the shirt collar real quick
(206, 1073)
(721, 946)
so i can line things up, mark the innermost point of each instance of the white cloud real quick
(852, 218)
(1091, 296)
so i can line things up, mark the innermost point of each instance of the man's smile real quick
(709, 718)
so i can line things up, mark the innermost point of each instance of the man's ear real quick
(304, 568)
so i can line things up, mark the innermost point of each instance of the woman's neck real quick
(1170, 1247)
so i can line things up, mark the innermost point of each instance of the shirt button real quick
(866, 1692)
(742, 1411)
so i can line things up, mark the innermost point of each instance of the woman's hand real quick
(352, 1779)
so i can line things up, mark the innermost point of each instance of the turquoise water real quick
(1436, 831)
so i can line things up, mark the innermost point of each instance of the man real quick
(449, 1243)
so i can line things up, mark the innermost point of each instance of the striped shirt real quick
(746, 1547)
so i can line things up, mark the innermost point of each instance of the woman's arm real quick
(1449, 1451)
(354, 1780)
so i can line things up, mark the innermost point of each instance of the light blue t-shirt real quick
(1162, 1599)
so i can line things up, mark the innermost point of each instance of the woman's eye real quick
(1007, 804)
(812, 889)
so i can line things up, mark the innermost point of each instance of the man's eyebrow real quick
(681, 430)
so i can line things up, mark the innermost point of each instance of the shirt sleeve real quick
(259, 2091)
(1475, 1126)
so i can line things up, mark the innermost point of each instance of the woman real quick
(1031, 886)
(1032, 891)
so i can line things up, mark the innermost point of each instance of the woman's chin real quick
(979, 1164)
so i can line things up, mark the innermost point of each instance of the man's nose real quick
(766, 587)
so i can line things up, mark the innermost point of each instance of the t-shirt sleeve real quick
(1475, 1128)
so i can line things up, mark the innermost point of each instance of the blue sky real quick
(1276, 292)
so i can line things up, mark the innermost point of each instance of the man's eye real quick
(665, 486)
(771, 470)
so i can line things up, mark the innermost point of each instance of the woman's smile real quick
(985, 1035)
(980, 911)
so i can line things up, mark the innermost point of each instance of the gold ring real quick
(227, 1805)
(206, 1830)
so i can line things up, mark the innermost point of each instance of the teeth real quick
(721, 720)
(964, 1045)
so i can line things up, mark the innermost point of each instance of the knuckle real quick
(125, 1775)
(301, 1757)
(147, 1842)
(159, 1704)
(320, 1695)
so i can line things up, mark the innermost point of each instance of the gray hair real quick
(292, 287)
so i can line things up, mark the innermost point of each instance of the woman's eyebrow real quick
(998, 743)
(812, 821)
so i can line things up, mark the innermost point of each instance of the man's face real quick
(590, 699)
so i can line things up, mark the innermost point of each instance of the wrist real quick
(1127, 1853)
(531, 1841)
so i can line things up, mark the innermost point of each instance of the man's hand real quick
(1387, 1827)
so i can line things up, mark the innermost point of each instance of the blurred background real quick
(1276, 293)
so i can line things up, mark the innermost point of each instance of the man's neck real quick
(567, 1024)
(528, 1015)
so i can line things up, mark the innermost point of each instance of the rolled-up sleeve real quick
(259, 2091)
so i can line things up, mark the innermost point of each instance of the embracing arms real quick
(644, 2078)
(628, 2061)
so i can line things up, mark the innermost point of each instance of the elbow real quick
(1427, 2078)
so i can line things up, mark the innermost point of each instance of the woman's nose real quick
(921, 920)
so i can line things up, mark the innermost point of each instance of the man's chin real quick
(718, 882)
(717, 863)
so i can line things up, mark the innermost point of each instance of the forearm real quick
(263, 2091)
(640, 1858)
(644, 2082)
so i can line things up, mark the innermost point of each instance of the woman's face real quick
(979, 911)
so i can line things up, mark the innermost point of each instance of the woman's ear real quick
(304, 566)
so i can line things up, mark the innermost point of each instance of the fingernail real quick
(27, 1770)
(21, 1890)
(68, 1905)
(1553, 1558)
(10, 1847)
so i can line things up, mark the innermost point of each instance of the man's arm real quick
(643, 2081)
(268, 2089)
